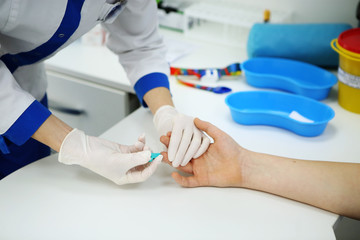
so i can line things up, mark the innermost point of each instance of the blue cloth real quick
(302, 42)
(21, 156)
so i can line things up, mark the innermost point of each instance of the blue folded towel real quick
(303, 42)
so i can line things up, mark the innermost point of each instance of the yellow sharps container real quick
(348, 47)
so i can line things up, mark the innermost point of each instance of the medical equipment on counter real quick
(226, 21)
(289, 75)
(348, 47)
(301, 115)
(267, 15)
(171, 14)
(208, 74)
(218, 89)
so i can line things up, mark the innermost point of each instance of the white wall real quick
(313, 10)
(307, 11)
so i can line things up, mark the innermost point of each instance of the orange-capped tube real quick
(266, 15)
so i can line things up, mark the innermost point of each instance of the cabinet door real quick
(88, 106)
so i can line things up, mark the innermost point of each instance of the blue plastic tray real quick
(301, 115)
(289, 75)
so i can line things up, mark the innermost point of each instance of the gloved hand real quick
(186, 142)
(111, 160)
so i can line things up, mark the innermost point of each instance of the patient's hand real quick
(220, 165)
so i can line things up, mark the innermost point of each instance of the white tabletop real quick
(48, 200)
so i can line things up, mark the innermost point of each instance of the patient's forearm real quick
(328, 185)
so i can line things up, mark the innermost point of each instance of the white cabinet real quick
(85, 105)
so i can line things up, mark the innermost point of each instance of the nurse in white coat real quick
(32, 31)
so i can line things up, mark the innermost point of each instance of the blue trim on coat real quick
(3, 146)
(148, 82)
(20, 156)
(68, 26)
(27, 124)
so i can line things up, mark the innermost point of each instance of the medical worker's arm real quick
(24, 117)
(134, 37)
(332, 186)
(116, 162)
(28, 118)
(46, 134)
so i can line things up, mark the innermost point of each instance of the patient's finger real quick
(165, 140)
(186, 169)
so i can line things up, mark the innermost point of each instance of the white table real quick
(48, 200)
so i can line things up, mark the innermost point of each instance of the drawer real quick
(88, 106)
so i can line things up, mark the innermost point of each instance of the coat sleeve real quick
(134, 37)
(21, 114)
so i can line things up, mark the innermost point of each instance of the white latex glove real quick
(187, 141)
(111, 160)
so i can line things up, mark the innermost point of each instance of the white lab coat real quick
(27, 24)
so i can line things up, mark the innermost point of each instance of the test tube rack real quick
(226, 21)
